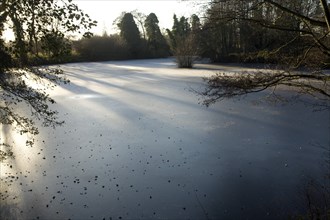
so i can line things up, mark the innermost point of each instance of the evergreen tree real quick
(195, 23)
(156, 41)
(182, 42)
(180, 30)
(130, 33)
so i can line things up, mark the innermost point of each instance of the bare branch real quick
(222, 86)
(326, 12)
(298, 15)
(14, 90)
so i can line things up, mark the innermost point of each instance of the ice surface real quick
(137, 145)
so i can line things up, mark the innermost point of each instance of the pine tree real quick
(130, 33)
(156, 41)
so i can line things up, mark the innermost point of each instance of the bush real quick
(101, 48)
(186, 52)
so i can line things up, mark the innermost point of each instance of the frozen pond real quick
(137, 145)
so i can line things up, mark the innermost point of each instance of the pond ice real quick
(137, 145)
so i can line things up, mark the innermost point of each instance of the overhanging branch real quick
(300, 16)
(223, 86)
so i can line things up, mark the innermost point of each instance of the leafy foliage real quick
(34, 20)
(55, 44)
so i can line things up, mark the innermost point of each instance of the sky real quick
(106, 11)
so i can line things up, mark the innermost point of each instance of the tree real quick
(252, 30)
(182, 42)
(140, 19)
(195, 23)
(130, 33)
(302, 41)
(180, 30)
(186, 52)
(6, 59)
(55, 44)
(156, 41)
(31, 21)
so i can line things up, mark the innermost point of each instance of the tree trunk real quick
(326, 12)
(19, 38)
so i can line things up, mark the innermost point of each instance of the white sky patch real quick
(8, 34)
(105, 12)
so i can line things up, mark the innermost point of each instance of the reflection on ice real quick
(16, 174)
(85, 96)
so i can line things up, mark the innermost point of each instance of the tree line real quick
(129, 43)
(281, 31)
(39, 41)
(290, 33)
(140, 37)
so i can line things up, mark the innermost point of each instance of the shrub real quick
(186, 52)
(101, 48)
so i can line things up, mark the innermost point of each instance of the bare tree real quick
(140, 18)
(183, 40)
(186, 52)
(311, 36)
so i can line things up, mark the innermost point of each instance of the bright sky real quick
(106, 11)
